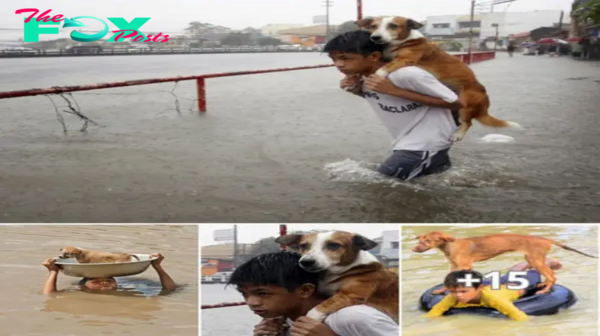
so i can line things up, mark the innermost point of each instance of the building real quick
(487, 25)
(272, 30)
(388, 250)
(219, 258)
(206, 34)
(307, 36)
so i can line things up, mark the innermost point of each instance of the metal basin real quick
(71, 267)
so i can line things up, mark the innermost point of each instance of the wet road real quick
(287, 147)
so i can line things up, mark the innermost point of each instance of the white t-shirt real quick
(415, 126)
(361, 320)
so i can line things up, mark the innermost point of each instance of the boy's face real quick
(465, 294)
(354, 64)
(271, 301)
(101, 284)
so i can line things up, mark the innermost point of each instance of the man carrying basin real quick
(107, 283)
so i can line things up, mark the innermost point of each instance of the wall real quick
(509, 22)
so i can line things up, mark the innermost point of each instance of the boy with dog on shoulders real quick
(412, 104)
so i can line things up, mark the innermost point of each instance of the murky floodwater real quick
(238, 321)
(287, 147)
(579, 273)
(135, 309)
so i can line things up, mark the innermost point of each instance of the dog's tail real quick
(136, 257)
(490, 121)
(571, 249)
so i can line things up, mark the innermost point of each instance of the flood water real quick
(286, 147)
(579, 273)
(135, 309)
(238, 321)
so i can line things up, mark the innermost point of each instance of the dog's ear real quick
(412, 24)
(291, 240)
(447, 238)
(364, 22)
(363, 243)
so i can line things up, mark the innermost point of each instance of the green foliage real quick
(236, 39)
(589, 12)
(268, 41)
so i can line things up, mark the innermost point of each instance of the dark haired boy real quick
(277, 289)
(412, 104)
(477, 292)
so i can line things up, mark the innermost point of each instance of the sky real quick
(250, 233)
(174, 15)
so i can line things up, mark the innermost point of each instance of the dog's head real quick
(388, 29)
(70, 252)
(432, 240)
(326, 250)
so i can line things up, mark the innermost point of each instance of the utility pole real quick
(470, 52)
(235, 246)
(495, 25)
(328, 4)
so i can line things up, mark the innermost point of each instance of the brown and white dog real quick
(406, 46)
(84, 256)
(350, 274)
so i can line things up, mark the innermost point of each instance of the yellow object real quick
(501, 300)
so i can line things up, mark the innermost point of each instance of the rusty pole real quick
(201, 92)
(359, 9)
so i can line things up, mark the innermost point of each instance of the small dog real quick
(463, 252)
(350, 274)
(84, 256)
(406, 46)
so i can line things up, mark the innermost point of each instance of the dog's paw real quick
(382, 73)
(316, 315)
(456, 137)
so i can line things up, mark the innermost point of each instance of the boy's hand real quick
(305, 326)
(269, 327)
(380, 84)
(50, 265)
(350, 83)
(157, 262)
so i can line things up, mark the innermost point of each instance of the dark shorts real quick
(533, 277)
(406, 165)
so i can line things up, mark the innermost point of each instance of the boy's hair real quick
(356, 42)
(452, 279)
(279, 269)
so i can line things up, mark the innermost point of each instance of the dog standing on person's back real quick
(350, 274)
(84, 256)
(406, 46)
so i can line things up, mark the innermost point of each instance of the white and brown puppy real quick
(84, 256)
(350, 274)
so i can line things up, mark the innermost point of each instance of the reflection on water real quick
(138, 307)
(234, 321)
(421, 271)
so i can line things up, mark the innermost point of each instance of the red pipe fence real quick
(200, 80)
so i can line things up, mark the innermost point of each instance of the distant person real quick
(511, 48)
(480, 294)
(277, 289)
(411, 103)
(104, 284)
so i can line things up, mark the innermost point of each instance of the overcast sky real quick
(174, 15)
(250, 233)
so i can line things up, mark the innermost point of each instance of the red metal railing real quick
(200, 80)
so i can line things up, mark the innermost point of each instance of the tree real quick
(196, 29)
(347, 26)
(268, 41)
(236, 39)
(589, 12)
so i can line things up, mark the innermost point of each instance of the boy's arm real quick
(507, 308)
(50, 284)
(443, 306)
(421, 86)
